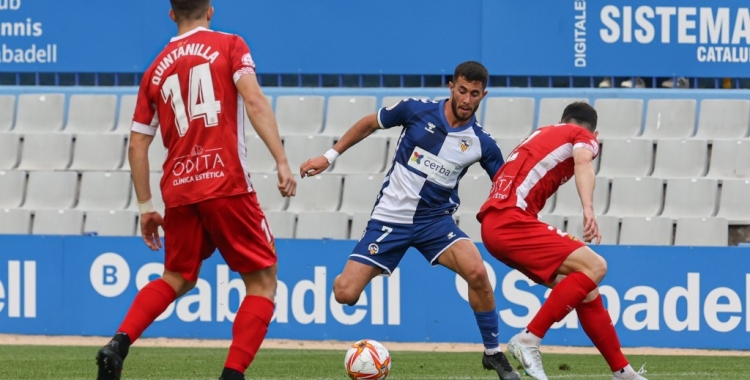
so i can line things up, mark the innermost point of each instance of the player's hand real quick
(150, 223)
(590, 227)
(287, 184)
(314, 166)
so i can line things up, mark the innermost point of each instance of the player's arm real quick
(492, 157)
(585, 178)
(358, 132)
(261, 116)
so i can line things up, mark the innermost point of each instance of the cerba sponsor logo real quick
(18, 290)
(430, 164)
(110, 275)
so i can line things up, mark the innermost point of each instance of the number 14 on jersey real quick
(203, 103)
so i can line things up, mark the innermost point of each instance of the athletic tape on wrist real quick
(146, 207)
(331, 155)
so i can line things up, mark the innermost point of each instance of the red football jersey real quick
(190, 91)
(537, 167)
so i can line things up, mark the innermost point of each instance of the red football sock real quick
(565, 297)
(248, 331)
(597, 324)
(148, 304)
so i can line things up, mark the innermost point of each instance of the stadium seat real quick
(98, 152)
(691, 198)
(619, 118)
(322, 225)
(269, 197)
(367, 156)
(7, 112)
(157, 153)
(51, 190)
(104, 191)
(10, 144)
(359, 223)
(282, 223)
(12, 188)
(646, 231)
(681, 158)
(91, 113)
(734, 203)
(723, 119)
(344, 111)
(730, 159)
(509, 117)
(639, 196)
(473, 191)
(468, 223)
(551, 109)
(670, 119)
(609, 227)
(388, 101)
(154, 180)
(507, 144)
(40, 113)
(111, 223)
(702, 232)
(568, 202)
(15, 221)
(49, 151)
(556, 221)
(549, 205)
(125, 114)
(259, 158)
(626, 158)
(299, 114)
(360, 192)
(302, 148)
(57, 222)
(319, 193)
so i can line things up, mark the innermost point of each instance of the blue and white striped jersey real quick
(431, 157)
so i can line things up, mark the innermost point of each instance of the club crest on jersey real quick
(417, 158)
(464, 144)
(373, 248)
(430, 128)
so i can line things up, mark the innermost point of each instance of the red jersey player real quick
(197, 90)
(511, 232)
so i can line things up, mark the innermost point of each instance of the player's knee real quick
(343, 293)
(476, 277)
(598, 268)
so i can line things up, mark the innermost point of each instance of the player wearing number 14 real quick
(195, 94)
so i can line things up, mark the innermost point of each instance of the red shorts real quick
(522, 242)
(235, 225)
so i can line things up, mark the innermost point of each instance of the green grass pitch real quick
(67, 363)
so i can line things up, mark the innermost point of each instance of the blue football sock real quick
(488, 327)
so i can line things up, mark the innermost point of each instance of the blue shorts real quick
(383, 244)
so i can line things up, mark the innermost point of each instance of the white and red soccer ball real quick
(367, 360)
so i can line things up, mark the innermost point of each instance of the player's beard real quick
(454, 109)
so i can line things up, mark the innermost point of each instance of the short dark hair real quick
(190, 9)
(580, 113)
(472, 71)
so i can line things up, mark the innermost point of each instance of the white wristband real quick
(331, 155)
(146, 207)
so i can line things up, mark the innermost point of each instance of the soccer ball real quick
(367, 359)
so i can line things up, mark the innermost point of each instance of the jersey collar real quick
(190, 33)
(447, 125)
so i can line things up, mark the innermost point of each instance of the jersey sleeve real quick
(395, 115)
(492, 157)
(585, 139)
(145, 117)
(240, 59)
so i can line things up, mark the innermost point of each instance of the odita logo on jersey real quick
(437, 169)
